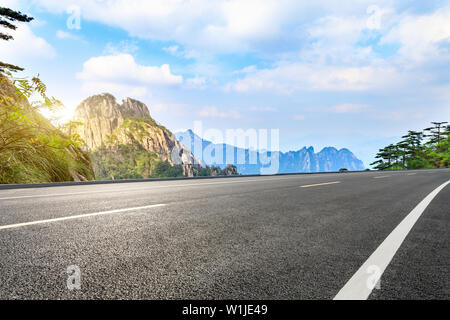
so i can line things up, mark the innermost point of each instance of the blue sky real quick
(355, 74)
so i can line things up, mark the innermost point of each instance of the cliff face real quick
(108, 124)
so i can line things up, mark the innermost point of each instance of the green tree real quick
(436, 133)
(388, 157)
(164, 169)
(413, 148)
(418, 149)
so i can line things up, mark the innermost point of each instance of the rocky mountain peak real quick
(105, 123)
(101, 105)
(135, 108)
(105, 106)
(100, 115)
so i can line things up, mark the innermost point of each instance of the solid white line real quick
(141, 189)
(362, 283)
(319, 184)
(23, 224)
(53, 195)
(381, 177)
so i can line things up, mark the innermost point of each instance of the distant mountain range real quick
(255, 162)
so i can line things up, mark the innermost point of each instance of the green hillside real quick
(429, 148)
(32, 149)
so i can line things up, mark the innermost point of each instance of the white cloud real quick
(299, 117)
(122, 76)
(333, 57)
(214, 112)
(223, 26)
(420, 35)
(119, 72)
(60, 34)
(25, 46)
(288, 78)
(248, 69)
(234, 25)
(349, 108)
(173, 50)
(196, 82)
(263, 109)
(338, 29)
(174, 109)
(124, 46)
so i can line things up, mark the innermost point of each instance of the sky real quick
(356, 74)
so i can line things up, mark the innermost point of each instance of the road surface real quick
(268, 237)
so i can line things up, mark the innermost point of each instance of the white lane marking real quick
(381, 177)
(319, 184)
(55, 194)
(30, 223)
(411, 174)
(142, 189)
(358, 288)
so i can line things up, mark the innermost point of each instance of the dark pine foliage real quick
(7, 17)
(429, 148)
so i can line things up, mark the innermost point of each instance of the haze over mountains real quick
(302, 160)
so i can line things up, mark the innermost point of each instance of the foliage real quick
(130, 161)
(229, 170)
(7, 16)
(31, 148)
(418, 150)
(164, 169)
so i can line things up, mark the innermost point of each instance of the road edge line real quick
(358, 288)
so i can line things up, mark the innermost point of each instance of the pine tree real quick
(7, 16)
(416, 152)
(437, 133)
(403, 151)
(413, 145)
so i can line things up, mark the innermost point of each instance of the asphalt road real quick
(269, 237)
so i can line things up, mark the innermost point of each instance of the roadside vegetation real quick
(32, 149)
(429, 148)
(132, 161)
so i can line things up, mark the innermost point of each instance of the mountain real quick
(32, 149)
(303, 160)
(124, 141)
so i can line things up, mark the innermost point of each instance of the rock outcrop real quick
(106, 123)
